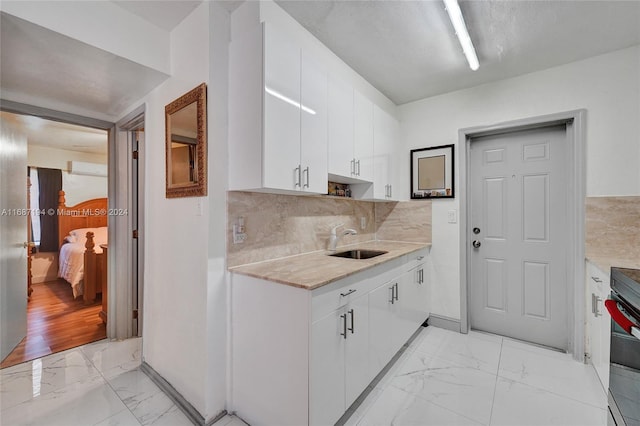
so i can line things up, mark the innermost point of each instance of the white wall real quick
(607, 86)
(217, 305)
(176, 335)
(77, 188)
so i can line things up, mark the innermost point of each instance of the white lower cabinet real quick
(339, 361)
(303, 357)
(598, 322)
(381, 340)
(396, 309)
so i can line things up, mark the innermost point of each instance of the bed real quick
(81, 230)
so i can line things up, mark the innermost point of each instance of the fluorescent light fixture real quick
(455, 14)
(282, 97)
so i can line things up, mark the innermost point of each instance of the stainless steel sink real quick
(358, 254)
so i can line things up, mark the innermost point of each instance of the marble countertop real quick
(312, 270)
(605, 263)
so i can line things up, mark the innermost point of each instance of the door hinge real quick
(135, 233)
(135, 314)
(135, 154)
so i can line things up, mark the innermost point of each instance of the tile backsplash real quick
(285, 225)
(613, 229)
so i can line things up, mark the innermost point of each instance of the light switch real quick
(363, 223)
(452, 216)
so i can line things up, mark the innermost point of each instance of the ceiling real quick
(408, 49)
(47, 69)
(53, 134)
(164, 14)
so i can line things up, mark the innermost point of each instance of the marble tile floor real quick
(447, 378)
(443, 378)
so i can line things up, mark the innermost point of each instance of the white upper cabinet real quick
(350, 134)
(363, 136)
(314, 126)
(278, 115)
(281, 112)
(340, 129)
(385, 136)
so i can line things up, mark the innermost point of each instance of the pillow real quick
(70, 239)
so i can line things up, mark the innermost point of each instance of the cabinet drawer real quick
(330, 297)
(416, 258)
(598, 277)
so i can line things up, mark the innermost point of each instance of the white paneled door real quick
(518, 281)
(13, 235)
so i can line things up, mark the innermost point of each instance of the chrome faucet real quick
(334, 237)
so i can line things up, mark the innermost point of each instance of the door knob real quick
(476, 244)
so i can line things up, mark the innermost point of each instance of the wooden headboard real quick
(87, 214)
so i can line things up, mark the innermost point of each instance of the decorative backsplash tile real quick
(613, 229)
(286, 225)
(408, 221)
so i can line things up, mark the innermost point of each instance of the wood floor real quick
(56, 322)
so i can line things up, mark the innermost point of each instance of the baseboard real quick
(444, 322)
(184, 405)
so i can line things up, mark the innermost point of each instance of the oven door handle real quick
(620, 319)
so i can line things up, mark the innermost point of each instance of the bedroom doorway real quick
(67, 168)
(57, 317)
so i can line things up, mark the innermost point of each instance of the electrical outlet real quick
(238, 237)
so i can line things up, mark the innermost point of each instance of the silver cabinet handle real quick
(392, 294)
(352, 315)
(348, 293)
(297, 177)
(353, 166)
(420, 257)
(358, 172)
(420, 276)
(306, 170)
(344, 325)
(596, 279)
(396, 285)
(594, 305)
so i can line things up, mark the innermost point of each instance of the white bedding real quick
(71, 260)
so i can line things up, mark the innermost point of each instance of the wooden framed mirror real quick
(186, 144)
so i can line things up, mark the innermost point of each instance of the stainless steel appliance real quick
(624, 368)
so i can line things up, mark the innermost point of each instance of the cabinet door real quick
(414, 302)
(327, 381)
(313, 149)
(384, 137)
(605, 338)
(363, 136)
(381, 346)
(281, 139)
(340, 149)
(407, 308)
(357, 372)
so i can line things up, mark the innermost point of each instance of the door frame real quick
(575, 133)
(122, 154)
(65, 117)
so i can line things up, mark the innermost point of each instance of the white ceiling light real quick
(455, 14)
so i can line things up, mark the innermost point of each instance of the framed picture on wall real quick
(432, 173)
